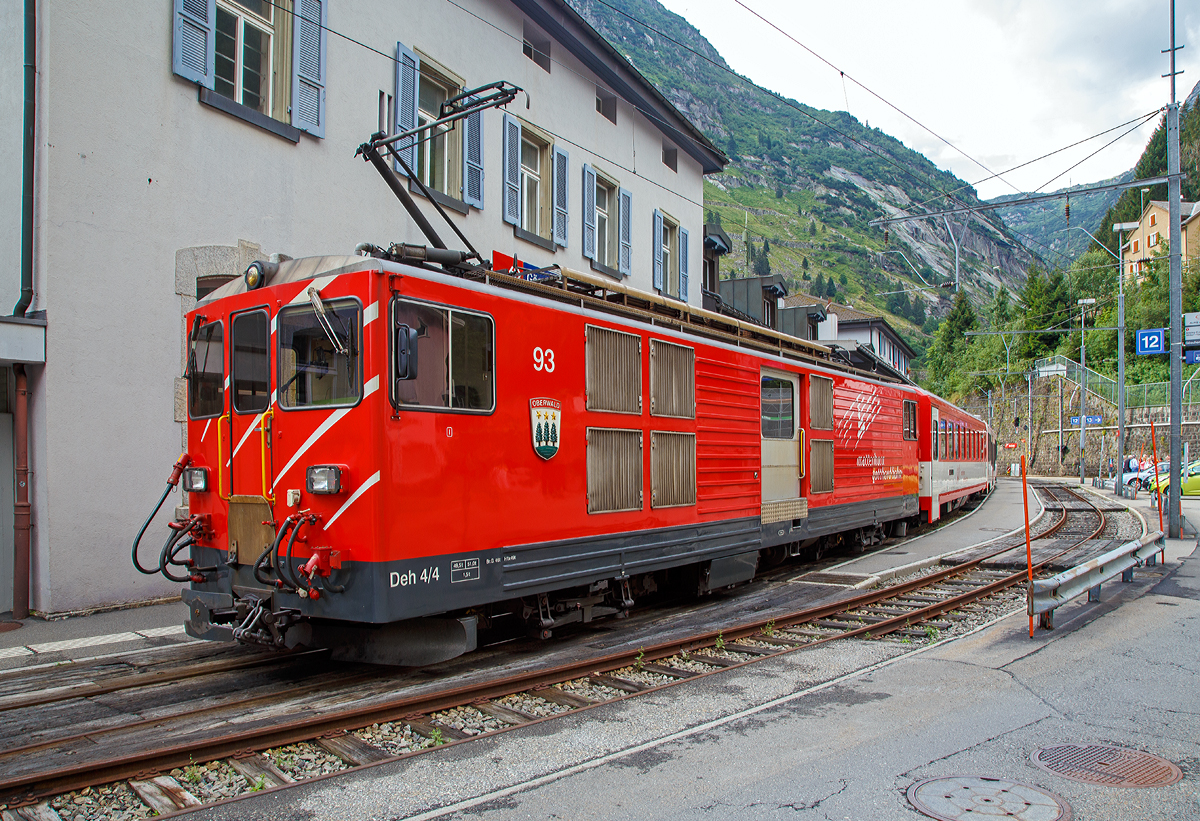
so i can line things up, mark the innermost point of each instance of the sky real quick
(1001, 82)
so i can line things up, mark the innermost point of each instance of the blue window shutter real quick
(683, 264)
(625, 240)
(561, 167)
(473, 160)
(195, 49)
(589, 212)
(658, 260)
(308, 66)
(512, 170)
(408, 72)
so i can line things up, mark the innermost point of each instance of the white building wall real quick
(12, 94)
(133, 168)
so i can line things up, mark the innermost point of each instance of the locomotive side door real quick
(248, 447)
(782, 504)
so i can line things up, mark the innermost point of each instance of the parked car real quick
(1148, 476)
(1190, 481)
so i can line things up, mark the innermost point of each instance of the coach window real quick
(910, 420)
(206, 371)
(251, 366)
(778, 403)
(442, 357)
(320, 353)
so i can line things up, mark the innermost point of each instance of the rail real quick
(1046, 595)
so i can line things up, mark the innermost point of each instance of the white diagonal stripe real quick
(246, 435)
(363, 488)
(371, 386)
(370, 313)
(205, 431)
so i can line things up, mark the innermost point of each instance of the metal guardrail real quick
(1145, 395)
(1045, 595)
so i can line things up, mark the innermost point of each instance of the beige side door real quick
(780, 431)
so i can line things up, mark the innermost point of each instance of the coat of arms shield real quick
(544, 418)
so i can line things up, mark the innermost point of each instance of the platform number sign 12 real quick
(1151, 340)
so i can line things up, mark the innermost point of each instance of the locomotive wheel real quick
(772, 556)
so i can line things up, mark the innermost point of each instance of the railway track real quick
(228, 707)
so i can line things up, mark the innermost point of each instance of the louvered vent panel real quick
(820, 468)
(672, 380)
(614, 371)
(820, 403)
(672, 469)
(614, 470)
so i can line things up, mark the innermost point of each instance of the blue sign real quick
(1192, 357)
(1151, 340)
(1091, 420)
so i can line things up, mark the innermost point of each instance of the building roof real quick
(549, 15)
(850, 316)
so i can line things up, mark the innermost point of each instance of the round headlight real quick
(255, 276)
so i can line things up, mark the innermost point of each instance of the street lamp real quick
(1082, 303)
(1120, 228)
(1145, 191)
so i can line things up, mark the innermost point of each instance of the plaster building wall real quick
(12, 61)
(134, 172)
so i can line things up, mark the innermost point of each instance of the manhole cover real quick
(1107, 765)
(974, 797)
(6, 626)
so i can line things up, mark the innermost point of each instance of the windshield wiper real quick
(314, 296)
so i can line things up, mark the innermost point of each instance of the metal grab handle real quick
(803, 462)
(221, 458)
(269, 413)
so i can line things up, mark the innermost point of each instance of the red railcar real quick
(383, 454)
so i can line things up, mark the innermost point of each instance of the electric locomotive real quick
(387, 449)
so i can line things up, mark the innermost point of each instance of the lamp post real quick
(1082, 303)
(1142, 203)
(1120, 228)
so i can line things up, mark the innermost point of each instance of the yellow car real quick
(1190, 477)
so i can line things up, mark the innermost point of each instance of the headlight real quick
(324, 479)
(195, 480)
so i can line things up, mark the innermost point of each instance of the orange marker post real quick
(1028, 548)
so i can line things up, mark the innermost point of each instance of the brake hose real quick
(286, 565)
(176, 471)
(272, 550)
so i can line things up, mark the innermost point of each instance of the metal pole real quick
(1120, 483)
(1082, 393)
(1176, 302)
(1060, 420)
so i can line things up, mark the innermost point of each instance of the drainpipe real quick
(21, 508)
(29, 127)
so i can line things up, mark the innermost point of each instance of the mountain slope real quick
(808, 181)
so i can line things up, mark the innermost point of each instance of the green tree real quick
(820, 287)
(843, 279)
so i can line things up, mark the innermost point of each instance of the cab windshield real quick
(320, 357)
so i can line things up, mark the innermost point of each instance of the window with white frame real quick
(607, 223)
(535, 184)
(439, 148)
(670, 256)
(266, 56)
(532, 154)
(245, 31)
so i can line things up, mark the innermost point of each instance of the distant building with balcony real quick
(1152, 236)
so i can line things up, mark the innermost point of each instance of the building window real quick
(606, 104)
(606, 224)
(439, 148)
(1135, 246)
(1150, 243)
(769, 307)
(532, 158)
(262, 61)
(1153, 220)
(670, 156)
(536, 46)
(243, 53)
(669, 240)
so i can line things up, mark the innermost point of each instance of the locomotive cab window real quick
(778, 408)
(250, 365)
(442, 357)
(320, 353)
(206, 371)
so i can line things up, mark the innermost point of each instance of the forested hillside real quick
(804, 183)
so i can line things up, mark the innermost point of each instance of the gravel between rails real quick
(212, 781)
(304, 760)
(112, 802)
